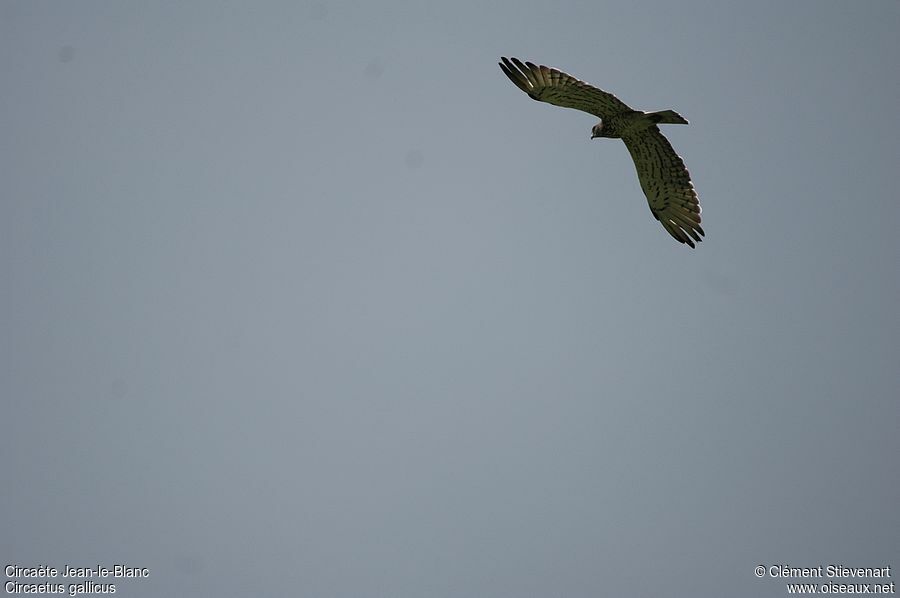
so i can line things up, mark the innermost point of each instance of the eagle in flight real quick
(663, 176)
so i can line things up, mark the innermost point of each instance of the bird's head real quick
(597, 131)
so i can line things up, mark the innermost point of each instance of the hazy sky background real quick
(307, 299)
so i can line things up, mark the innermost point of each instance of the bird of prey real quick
(663, 176)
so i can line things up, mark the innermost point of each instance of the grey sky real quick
(307, 299)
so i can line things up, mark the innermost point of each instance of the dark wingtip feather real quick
(521, 65)
(515, 76)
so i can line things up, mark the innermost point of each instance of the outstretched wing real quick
(550, 85)
(666, 183)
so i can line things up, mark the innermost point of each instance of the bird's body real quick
(661, 172)
(627, 123)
